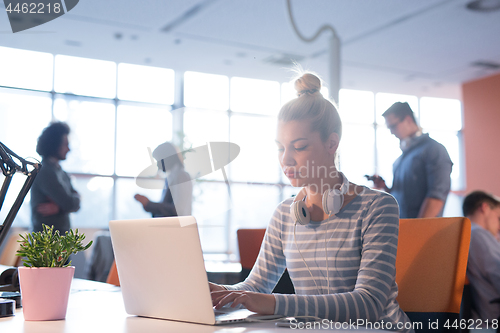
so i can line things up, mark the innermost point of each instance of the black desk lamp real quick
(9, 168)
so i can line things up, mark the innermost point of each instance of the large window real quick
(118, 113)
(442, 119)
(90, 154)
(145, 84)
(207, 91)
(110, 133)
(242, 112)
(23, 115)
(357, 146)
(255, 96)
(138, 130)
(26, 69)
(82, 76)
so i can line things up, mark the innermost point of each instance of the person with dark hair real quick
(421, 180)
(176, 200)
(483, 267)
(52, 195)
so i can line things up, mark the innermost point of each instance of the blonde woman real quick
(338, 240)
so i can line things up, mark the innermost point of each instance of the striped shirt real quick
(359, 263)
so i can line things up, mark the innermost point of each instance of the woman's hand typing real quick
(256, 302)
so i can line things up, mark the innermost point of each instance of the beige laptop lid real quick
(161, 268)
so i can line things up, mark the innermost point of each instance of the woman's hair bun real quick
(307, 84)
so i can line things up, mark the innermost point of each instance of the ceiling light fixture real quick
(486, 64)
(72, 42)
(283, 59)
(484, 5)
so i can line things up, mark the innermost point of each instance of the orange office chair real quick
(8, 256)
(467, 306)
(249, 241)
(430, 268)
(113, 275)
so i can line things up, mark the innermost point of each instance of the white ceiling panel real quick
(424, 47)
(258, 24)
(143, 14)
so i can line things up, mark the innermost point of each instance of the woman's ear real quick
(332, 144)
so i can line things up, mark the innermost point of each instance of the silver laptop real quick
(162, 272)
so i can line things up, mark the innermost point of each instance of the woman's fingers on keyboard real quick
(223, 297)
(217, 295)
(215, 287)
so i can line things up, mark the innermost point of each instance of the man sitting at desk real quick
(483, 268)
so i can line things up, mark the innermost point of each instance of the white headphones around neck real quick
(408, 142)
(332, 202)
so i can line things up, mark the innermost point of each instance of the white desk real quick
(96, 307)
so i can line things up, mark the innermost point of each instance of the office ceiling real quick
(424, 47)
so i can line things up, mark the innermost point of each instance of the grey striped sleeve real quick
(270, 263)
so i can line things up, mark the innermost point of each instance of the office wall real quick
(481, 133)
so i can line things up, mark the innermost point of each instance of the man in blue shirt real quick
(483, 268)
(422, 173)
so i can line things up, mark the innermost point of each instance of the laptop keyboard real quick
(220, 313)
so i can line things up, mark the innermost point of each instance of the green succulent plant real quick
(47, 248)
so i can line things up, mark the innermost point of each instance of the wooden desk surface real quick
(96, 307)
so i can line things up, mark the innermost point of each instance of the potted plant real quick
(46, 278)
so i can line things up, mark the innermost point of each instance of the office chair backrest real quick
(431, 263)
(249, 241)
(113, 275)
(8, 256)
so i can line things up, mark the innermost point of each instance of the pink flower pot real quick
(45, 291)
